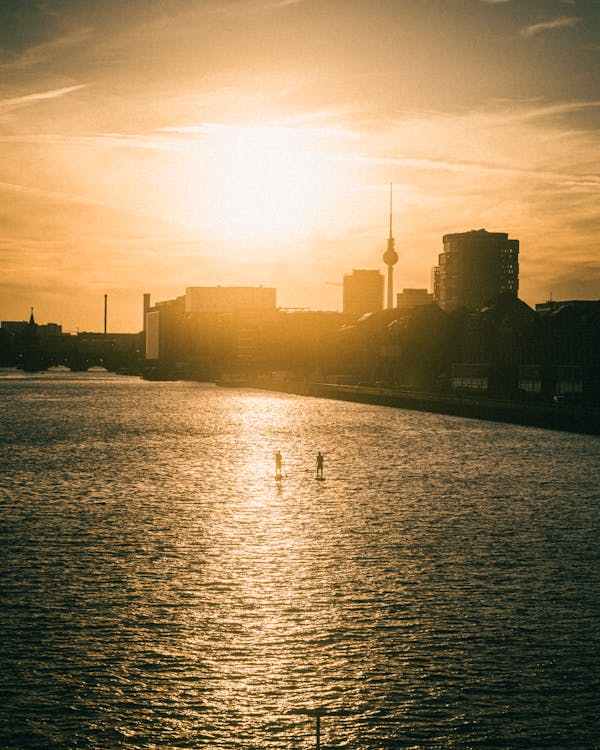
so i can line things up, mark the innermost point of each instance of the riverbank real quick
(549, 416)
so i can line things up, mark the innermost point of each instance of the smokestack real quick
(146, 308)
(105, 311)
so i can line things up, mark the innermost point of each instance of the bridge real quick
(119, 353)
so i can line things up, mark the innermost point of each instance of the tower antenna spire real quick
(391, 236)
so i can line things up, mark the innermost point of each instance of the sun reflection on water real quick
(182, 597)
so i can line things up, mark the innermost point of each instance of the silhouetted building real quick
(301, 343)
(363, 292)
(164, 327)
(417, 351)
(409, 298)
(210, 331)
(575, 304)
(147, 305)
(571, 355)
(501, 344)
(410, 347)
(475, 267)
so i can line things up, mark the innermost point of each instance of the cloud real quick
(280, 3)
(23, 101)
(517, 165)
(143, 196)
(52, 195)
(42, 53)
(255, 6)
(294, 127)
(563, 22)
(458, 166)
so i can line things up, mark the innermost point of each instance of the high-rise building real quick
(474, 267)
(363, 292)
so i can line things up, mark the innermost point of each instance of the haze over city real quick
(151, 146)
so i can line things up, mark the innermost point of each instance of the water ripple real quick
(161, 590)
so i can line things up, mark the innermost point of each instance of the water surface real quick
(161, 590)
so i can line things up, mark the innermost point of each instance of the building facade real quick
(230, 299)
(363, 292)
(409, 298)
(475, 267)
(210, 330)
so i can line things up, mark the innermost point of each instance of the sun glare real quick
(264, 182)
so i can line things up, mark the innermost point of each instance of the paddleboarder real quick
(319, 465)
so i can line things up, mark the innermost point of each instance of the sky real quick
(152, 145)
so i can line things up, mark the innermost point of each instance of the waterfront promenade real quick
(555, 416)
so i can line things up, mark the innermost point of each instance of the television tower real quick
(390, 257)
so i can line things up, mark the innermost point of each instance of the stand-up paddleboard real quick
(320, 479)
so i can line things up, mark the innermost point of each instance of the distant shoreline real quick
(547, 416)
(563, 417)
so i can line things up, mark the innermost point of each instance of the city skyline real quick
(162, 145)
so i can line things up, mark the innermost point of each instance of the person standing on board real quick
(278, 465)
(319, 465)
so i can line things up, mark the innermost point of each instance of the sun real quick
(263, 182)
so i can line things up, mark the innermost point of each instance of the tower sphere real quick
(390, 257)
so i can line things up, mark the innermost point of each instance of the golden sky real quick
(152, 145)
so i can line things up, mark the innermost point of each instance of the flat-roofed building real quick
(409, 298)
(210, 330)
(152, 334)
(363, 292)
(164, 325)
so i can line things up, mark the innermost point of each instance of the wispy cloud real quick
(253, 6)
(299, 128)
(566, 179)
(27, 99)
(41, 53)
(9, 187)
(537, 109)
(280, 3)
(563, 22)
(49, 197)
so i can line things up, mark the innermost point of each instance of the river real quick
(160, 589)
